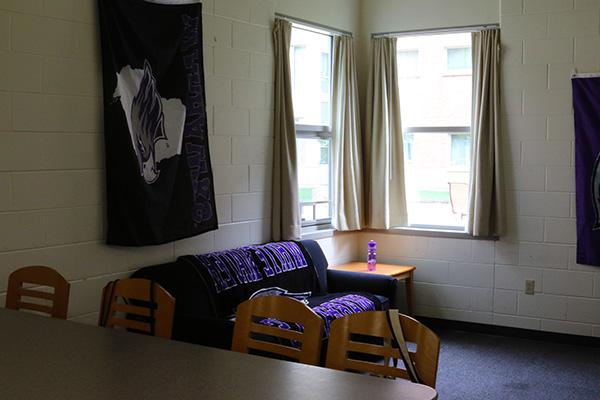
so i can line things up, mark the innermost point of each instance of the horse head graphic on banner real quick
(155, 124)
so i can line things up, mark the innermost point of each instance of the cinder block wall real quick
(484, 281)
(544, 41)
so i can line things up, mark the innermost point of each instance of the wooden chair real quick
(130, 304)
(249, 335)
(351, 338)
(41, 276)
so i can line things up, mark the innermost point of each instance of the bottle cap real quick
(372, 243)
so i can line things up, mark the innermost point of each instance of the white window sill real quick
(317, 232)
(327, 231)
(436, 233)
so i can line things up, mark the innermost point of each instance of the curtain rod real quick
(315, 25)
(453, 29)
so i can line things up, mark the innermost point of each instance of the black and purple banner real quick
(158, 170)
(586, 103)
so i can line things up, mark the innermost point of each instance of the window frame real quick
(319, 132)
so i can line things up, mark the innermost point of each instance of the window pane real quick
(461, 148)
(459, 59)
(310, 58)
(408, 147)
(436, 186)
(314, 178)
(324, 152)
(434, 98)
(437, 164)
(408, 63)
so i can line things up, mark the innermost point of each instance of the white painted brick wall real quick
(542, 306)
(51, 146)
(513, 277)
(511, 7)
(568, 283)
(587, 50)
(505, 301)
(545, 51)
(561, 230)
(544, 204)
(544, 6)
(560, 127)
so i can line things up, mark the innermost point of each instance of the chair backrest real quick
(250, 335)
(138, 305)
(358, 342)
(41, 276)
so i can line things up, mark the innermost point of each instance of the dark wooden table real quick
(44, 358)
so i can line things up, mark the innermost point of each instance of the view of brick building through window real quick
(310, 63)
(435, 79)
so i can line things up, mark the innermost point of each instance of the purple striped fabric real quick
(342, 306)
(329, 311)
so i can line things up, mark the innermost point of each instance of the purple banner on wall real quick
(586, 103)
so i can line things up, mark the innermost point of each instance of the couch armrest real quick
(346, 281)
(204, 330)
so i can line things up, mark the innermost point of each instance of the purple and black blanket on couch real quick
(278, 268)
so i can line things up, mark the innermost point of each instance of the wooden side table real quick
(400, 272)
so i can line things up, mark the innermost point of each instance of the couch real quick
(198, 321)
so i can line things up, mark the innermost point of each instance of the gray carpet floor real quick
(480, 367)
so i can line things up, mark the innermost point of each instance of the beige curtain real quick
(486, 198)
(385, 195)
(285, 213)
(347, 162)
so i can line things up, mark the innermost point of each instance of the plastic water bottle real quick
(372, 256)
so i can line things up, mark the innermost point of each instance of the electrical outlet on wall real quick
(530, 286)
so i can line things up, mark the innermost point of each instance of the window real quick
(460, 149)
(408, 63)
(310, 58)
(325, 156)
(325, 73)
(436, 118)
(459, 59)
(408, 147)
